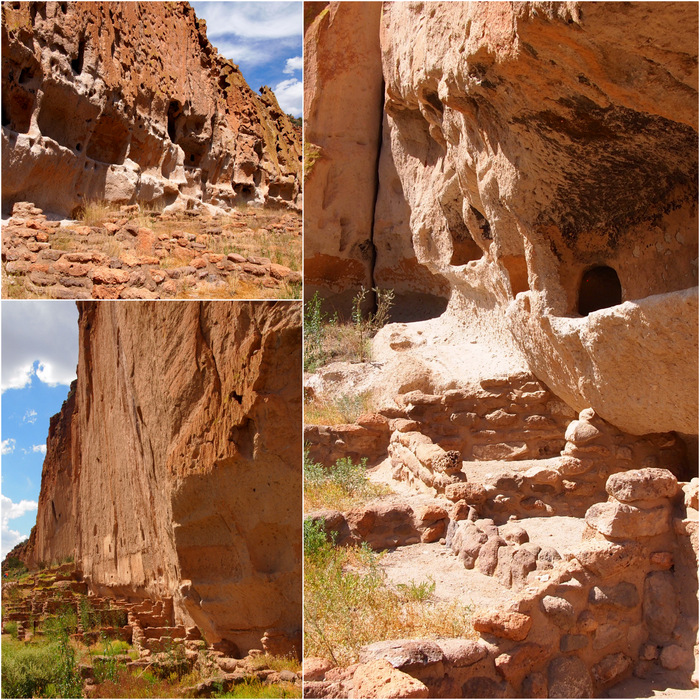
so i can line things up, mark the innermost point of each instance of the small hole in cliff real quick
(77, 63)
(63, 6)
(78, 147)
(238, 398)
(600, 289)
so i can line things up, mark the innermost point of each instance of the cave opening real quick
(600, 289)
(77, 63)
(173, 113)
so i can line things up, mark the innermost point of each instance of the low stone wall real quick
(619, 605)
(33, 252)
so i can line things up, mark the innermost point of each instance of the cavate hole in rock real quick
(64, 115)
(516, 267)
(109, 141)
(77, 63)
(600, 288)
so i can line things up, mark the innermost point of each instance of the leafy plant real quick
(341, 486)
(314, 318)
(348, 603)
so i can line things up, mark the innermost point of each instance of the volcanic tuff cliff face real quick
(130, 102)
(539, 168)
(173, 470)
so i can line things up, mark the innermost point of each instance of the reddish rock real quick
(145, 492)
(379, 679)
(504, 624)
(143, 132)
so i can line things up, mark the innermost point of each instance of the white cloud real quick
(39, 339)
(30, 416)
(241, 52)
(8, 446)
(254, 20)
(289, 95)
(293, 64)
(39, 448)
(10, 511)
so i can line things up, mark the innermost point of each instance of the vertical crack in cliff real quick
(375, 199)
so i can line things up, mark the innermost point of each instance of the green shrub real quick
(342, 486)
(40, 670)
(348, 603)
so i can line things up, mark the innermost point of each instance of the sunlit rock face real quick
(173, 471)
(129, 102)
(539, 167)
(548, 152)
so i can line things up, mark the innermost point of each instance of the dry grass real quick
(276, 663)
(338, 411)
(339, 487)
(348, 603)
(13, 287)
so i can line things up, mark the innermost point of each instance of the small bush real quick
(255, 689)
(47, 669)
(341, 487)
(340, 410)
(11, 629)
(348, 603)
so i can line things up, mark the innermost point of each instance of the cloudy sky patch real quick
(263, 38)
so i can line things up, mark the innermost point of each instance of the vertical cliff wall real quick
(538, 169)
(130, 102)
(174, 469)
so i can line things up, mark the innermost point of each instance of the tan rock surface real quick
(130, 102)
(530, 172)
(342, 65)
(174, 471)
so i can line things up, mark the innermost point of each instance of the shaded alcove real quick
(600, 288)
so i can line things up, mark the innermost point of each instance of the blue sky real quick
(265, 40)
(39, 356)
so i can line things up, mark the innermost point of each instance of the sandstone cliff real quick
(129, 102)
(173, 470)
(538, 168)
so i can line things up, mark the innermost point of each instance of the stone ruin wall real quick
(169, 467)
(538, 172)
(538, 163)
(129, 102)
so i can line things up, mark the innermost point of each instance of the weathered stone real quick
(461, 652)
(660, 605)
(179, 145)
(504, 624)
(464, 491)
(674, 656)
(605, 635)
(568, 677)
(488, 555)
(607, 559)
(519, 661)
(315, 668)
(621, 595)
(407, 655)
(580, 432)
(642, 484)
(612, 669)
(560, 611)
(379, 679)
(623, 521)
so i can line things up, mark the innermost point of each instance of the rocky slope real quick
(538, 169)
(173, 470)
(130, 102)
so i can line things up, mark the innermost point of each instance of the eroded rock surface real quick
(173, 469)
(540, 161)
(129, 102)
